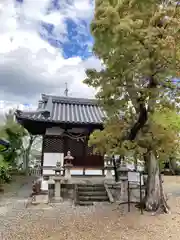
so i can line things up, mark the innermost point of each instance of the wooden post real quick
(85, 153)
(42, 154)
(128, 190)
(65, 145)
(140, 189)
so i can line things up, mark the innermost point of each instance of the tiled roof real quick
(66, 110)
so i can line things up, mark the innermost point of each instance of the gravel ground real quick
(102, 221)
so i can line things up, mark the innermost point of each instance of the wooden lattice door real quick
(53, 144)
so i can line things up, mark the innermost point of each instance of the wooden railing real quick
(110, 196)
(35, 172)
(78, 171)
(87, 171)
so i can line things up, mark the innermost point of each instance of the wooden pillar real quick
(42, 154)
(65, 145)
(85, 153)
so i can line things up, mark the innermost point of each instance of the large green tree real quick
(12, 132)
(139, 45)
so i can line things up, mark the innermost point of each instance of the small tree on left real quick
(14, 133)
(21, 141)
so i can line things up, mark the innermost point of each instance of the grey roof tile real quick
(67, 110)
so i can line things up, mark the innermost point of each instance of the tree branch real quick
(140, 122)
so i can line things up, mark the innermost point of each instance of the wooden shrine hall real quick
(66, 124)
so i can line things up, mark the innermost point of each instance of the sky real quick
(44, 44)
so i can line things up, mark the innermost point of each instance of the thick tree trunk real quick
(27, 163)
(155, 198)
(115, 169)
(26, 155)
(173, 165)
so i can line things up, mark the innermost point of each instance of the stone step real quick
(90, 185)
(92, 193)
(87, 188)
(94, 198)
(86, 203)
(80, 190)
(87, 194)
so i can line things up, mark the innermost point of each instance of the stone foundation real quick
(41, 198)
(115, 190)
(67, 191)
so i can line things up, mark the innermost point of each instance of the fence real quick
(35, 172)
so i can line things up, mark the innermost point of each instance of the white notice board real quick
(135, 177)
(44, 185)
(50, 159)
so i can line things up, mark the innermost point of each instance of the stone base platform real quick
(41, 198)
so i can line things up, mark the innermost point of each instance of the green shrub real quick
(5, 176)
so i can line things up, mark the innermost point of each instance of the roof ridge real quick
(70, 100)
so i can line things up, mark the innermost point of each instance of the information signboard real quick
(134, 177)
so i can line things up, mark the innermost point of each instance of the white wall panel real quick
(50, 159)
(93, 172)
(48, 172)
(76, 172)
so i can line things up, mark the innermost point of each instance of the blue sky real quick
(44, 44)
(78, 34)
(79, 42)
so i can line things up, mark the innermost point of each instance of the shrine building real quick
(65, 124)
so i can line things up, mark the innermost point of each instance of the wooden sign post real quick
(135, 177)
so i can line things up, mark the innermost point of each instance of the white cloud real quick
(81, 9)
(29, 65)
(5, 106)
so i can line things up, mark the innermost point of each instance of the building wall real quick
(55, 147)
(83, 155)
(54, 131)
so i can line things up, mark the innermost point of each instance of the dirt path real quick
(17, 191)
(102, 221)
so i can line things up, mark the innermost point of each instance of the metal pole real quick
(129, 207)
(141, 207)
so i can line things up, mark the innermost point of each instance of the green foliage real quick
(2, 148)
(168, 119)
(14, 133)
(166, 131)
(139, 45)
(5, 176)
(108, 140)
